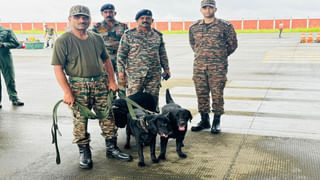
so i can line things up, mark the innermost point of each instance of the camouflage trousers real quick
(210, 78)
(93, 95)
(151, 83)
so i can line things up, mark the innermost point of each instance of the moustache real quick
(145, 23)
(109, 16)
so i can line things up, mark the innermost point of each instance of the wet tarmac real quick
(270, 129)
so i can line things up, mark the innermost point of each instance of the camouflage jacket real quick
(214, 42)
(7, 41)
(140, 53)
(111, 35)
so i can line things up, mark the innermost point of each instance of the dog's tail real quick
(168, 97)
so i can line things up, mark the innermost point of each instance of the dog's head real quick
(158, 124)
(181, 117)
(120, 111)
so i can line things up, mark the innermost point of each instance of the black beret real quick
(142, 12)
(107, 6)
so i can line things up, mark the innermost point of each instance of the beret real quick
(107, 6)
(143, 12)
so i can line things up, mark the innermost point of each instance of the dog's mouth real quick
(163, 135)
(182, 128)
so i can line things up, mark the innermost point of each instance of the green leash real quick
(84, 111)
(131, 103)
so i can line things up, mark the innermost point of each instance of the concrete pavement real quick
(270, 129)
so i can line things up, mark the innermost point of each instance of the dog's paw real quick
(182, 155)
(141, 164)
(127, 146)
(162, 157)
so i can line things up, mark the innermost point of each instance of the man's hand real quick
(166, 75)
(121, 75)
(113, 86)
(68, 99)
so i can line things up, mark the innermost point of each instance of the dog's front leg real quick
(140, 153)
(128, 131)
(153, 150)
(179, 143)
(163, 142)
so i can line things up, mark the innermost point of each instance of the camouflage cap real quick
(79, 10)
(211, 3)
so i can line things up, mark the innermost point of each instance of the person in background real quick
(8, 41)
(212, 41)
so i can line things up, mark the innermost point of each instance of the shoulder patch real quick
(130, 30)
(225, 22)
(157, 31)
(195, 23)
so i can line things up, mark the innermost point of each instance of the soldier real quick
(111, 31)
(212, 41)
(141, 55)
(82, 56)
(7, 41)
(50, 34)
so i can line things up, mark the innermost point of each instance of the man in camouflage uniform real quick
(141, 55)
(49, 34)
(212, 41)
(111, 31)
(7, 41)
(82, 56)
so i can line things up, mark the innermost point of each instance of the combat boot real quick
(85, 156)
(203, 124)
(215, 129)
(113, 151)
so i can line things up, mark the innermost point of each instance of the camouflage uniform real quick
(90, 91)
(111, 36)
(91, 94)
(141, 56)
(212, 44)
(7, 41)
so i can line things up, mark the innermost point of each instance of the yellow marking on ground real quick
(293, 55)
(225, 97)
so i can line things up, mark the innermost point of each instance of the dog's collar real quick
(144, 125)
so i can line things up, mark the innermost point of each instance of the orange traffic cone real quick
(303, 38)
(310, 38)
(317, 40)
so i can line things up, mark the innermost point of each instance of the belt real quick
(86, 79)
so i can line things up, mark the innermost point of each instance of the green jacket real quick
(7, 41)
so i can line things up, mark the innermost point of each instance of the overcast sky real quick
(163, 10)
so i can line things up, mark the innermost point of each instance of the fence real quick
(182, 25)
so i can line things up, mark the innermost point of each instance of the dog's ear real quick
(168, 115)
(188, 115)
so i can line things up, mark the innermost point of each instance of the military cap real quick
(143, 12)
(107, 6)
(79, 10)
(211, 3)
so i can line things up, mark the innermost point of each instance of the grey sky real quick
(163, 10)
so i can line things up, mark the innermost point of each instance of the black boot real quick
(85, 156)
(215, 129)
(113, 151)
(203, 124)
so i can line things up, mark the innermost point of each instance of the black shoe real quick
(0, 106)
(203, 124)
(114, 152)
(17, 103)
(215, 129)
(85, 156)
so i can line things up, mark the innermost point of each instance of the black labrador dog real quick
(120, 108)
(145, 130)
(179, 118)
